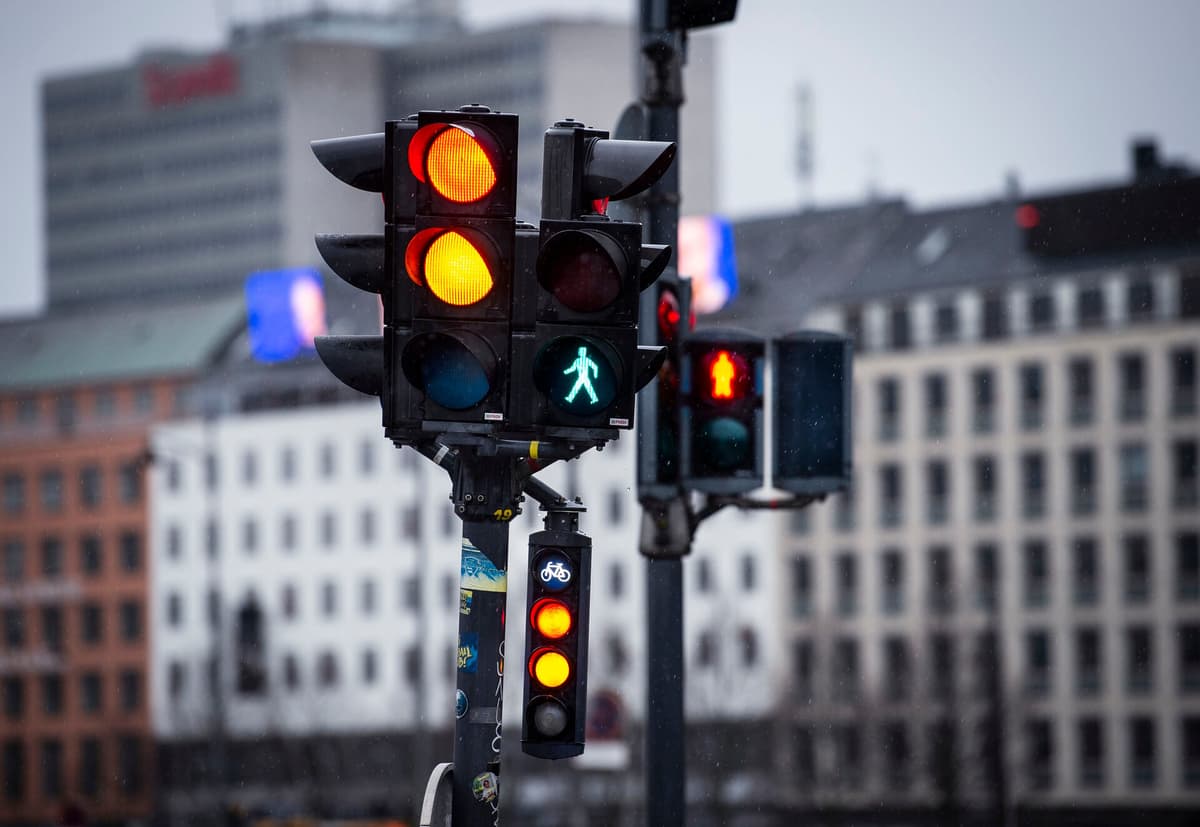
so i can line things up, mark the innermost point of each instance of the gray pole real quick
(662, 94)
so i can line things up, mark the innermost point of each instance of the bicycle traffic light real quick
(722, 419)
(555, 698)
(812, 373)
(590, 271)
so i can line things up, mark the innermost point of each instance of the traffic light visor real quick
(452, 264)
(583, 270)
(457, 160)
(551, 618)
(455, 370)
(549, 667)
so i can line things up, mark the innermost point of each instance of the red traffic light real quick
(669, 316)
(724, 376)
(551, 618)
(459, 160)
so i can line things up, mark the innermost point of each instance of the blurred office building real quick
(1004, 613)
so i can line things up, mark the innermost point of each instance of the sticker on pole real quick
(468, 652)
(479, 573)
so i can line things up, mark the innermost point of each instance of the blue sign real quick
(554, 570)
(706, 254)
(285, 310)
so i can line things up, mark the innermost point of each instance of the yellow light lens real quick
(550, 668)
(459, 168)
(455, 271)
(552, 618)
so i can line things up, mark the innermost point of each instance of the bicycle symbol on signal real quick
(555, 570)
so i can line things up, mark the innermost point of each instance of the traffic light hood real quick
(356, 361)
(357, 160)
(617, 169)
(357, 259)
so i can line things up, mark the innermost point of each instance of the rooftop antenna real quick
(804, 143)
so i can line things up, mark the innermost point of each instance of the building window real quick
(89, 767)
(1091, 752)
(897, 669)
(249, 469)
(706, 649)
(366, 457)
(1037, 574)
(892, 582)
(129, 482)
(52, 557)
(1183, 381)
(995, 316)
(1187, 566)
(14, 561)
(1137, 579)
(986, 486)
(936, 405)
(65, 415)
(129, 764)
(1135, 477)
(1139, 298)
(801, 586)
(369, 667)
(410, 522)
(937, 475)
(51, 769)
(14, 697)
(89, 486)
(942, 663)
(1189, 295)
(1083, 481)
(367, 596)
(174, 542)
(131, 620)
(212, 538)
(287, 464)
(212, 471)
(1139, 660)
(799, 521)
(847, 584)
(327, 462)
(986, 576)
(941, 580)
(130, 690)
(91, 623)
(945, 321)
(327, 670)
(616, 580)
(1033, 485)
(802, 669)
(14, 493)
(983, 401)
(52, 628)
(52, 694)
(1033, 394)
(329, 598)
(1189, 658)
(366, 526)
(748, 645)
(1088, 661)
(749, 573)
(52, 490)
(900, 328)
(1039, 762)
(1037, 662)
(845, 670)
(1142, 752)
(1042, 316)
(291, 672)
(14, 627)
(844, 511)
(1081, 391)
(1091, 307)
(889, 409)
(891, 495)
(852, 324)
(328, 529)
(14, 770)
(1191, 751)
(1185, 474)
(1131, 381)
(618, 655)
(1087, 571)
(131, 551)
(616, 503)
(91, 555)
(174, 609)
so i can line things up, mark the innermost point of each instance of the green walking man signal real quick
(581, 367)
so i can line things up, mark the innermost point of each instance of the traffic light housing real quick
(554, 707)
(721, 416)
(811, 412)
(659, 462)
(589, 272)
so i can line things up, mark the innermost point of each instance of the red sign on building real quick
(172, 86)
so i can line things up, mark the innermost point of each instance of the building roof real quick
(119, 340)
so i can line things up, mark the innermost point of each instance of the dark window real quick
(52, 557)
(845, 669)
(51, 769)
(942, 663)
(897, 755)
(986, 575)
(287, 532)
(91, 554)
(799, 521)
(129, 764)
(287, 603)
(14, 561)
(212, 471)
(176, 679)
(892, 581)
(1135, 477)
(14, 770)
(91, 698)
(1033, 393)
(937, 476)
(616, 503)
(1033, 485)
(804, 751)
(802, 669)
(900, 328)
(941, 580)
(945, 321)
(748, 645)
(1083, 481)
(1140, 298)
(1037, 574)
(1088, 661)
(366, 457)
(89, 767)
(1191, 751)
(844, 511)
(618, 655)
(1187, 566)
(1087, 571)
(52, 694)
(129, 482)
(14, 627)
(14, 697)
(329, 598)
(1189, 657)
(1039, 762)
(986, 486)
(1138, 575)
(291, 673)
(706, 648)
(52, 628)
(847, 739)
(287, 464)
(897, 669)
(212, 538)
(847, 584)
(936, 405)
(328, 460)
(1038, 666)
(995, 316)
(131, 620)
(1081, 392)
(366, 526)
(89, 486)
(130, 690)
(1131, 394)
(889, 409)
(1091, 307)
(327, 670)
(14, 493)
(1139, 659)
(367, 597)
(328, 529)
(1091, 752)
(852, 323)
(174, 609)
(65, 413)
(748, 573)
(1185, 474)
(801, 586)
(369, 667)
(891, 493)
(616, 580)
(411, 664)
(131, 551)
(249, 536)
(1142, 767)
(91, 623)
(1042, 317)
(1189, 295)
(1183, 381)
(983, 401)
(410, 522)
(703, 576)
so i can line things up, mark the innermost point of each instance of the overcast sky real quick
(935, 100)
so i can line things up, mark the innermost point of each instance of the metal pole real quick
(662, 94)
(478, 701)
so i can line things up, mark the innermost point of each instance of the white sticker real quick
(617, 422)
(493, 417)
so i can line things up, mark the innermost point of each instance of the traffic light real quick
(722, 422)
(589, 272)
(659, 464)
(459, 261)
(556, 641)
(812, 381)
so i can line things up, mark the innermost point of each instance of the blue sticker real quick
(460, 704)
(479, 573)
(468, 652)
